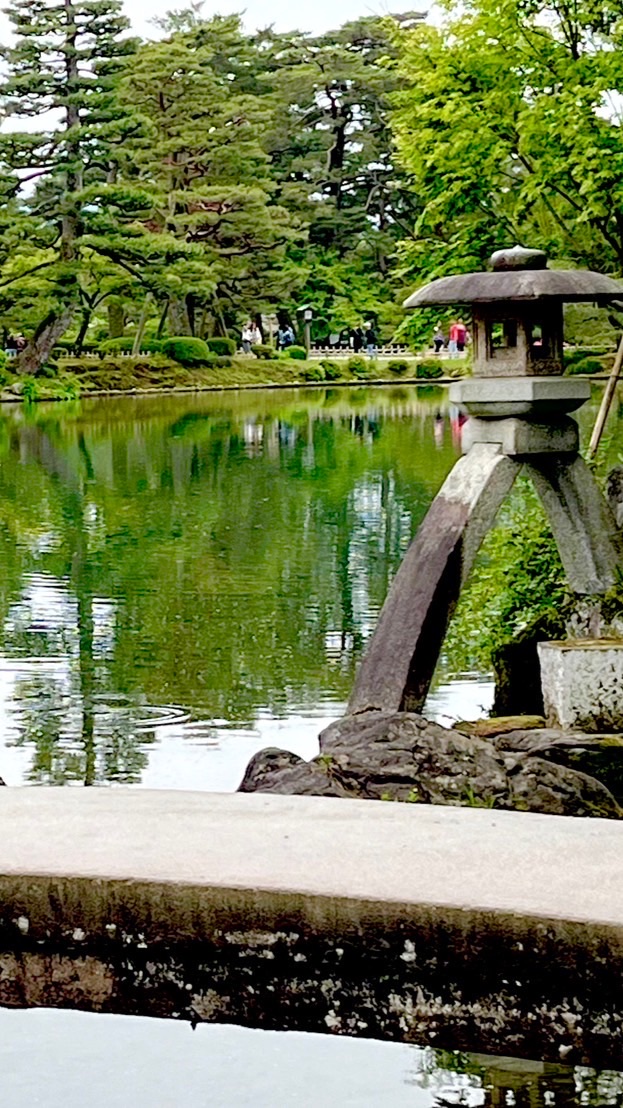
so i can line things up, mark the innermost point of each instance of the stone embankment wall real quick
(464, 928)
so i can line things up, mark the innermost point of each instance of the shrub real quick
(332, 370)
(49, 370)
(221, 346)
(313, 373)
(398, 366)
(117, 346)
(358, 366)
(572, 357)
(586, 365)
(30, 389)
(264, 351)
(297, 352)
(125, 345)
(429, 368)
(186, 350)
(221, 359)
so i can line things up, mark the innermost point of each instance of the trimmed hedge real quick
(429, 369)
(358, 366)
(223, 347)
(187, 351)
(299, 353)
(586, 365)
(332, 370)
(398, 366)
(572, 358)
(125, 345)
(263, 351)
(312, 373)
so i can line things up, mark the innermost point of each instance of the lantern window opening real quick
(501, 335)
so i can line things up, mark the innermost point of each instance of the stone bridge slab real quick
(461, 926)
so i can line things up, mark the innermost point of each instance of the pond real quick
(188, 578)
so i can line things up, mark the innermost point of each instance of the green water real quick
(189, 577)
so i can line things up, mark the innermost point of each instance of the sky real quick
(317, 16)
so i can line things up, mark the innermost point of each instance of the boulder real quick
(279, 771)
(402, 756)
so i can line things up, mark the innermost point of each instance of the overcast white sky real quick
(315, 16)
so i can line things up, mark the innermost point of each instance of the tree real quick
(199, 157)
(331, 152)
(63, 65)
(508, 123)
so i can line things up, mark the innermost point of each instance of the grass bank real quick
(112, 375)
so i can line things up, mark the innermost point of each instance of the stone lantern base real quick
(582, 682)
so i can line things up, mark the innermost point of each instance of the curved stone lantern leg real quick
(584, 528)
(400, 661)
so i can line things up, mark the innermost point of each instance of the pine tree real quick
(63, 67)
(200, 156)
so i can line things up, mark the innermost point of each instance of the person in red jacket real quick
(457, 337)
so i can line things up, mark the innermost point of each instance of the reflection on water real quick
(190, 578)
(129, 1061)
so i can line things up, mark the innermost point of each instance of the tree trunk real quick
(178, 316)
(142, 323)
(116, 318)
(46, 336)
(84, 327)
(163, 320)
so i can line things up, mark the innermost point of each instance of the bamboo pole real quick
(606, 401)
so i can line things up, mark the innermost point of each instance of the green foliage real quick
(518, 578)
(359, 366)
(187, 351)
(585, 365)
(513, 143)
(125, 345)
(264, 351)
(314, 371)
(30, 389)
(223, 347)
(398, 366)
(332, 370)
(299, 353)
(470, 800)
(429, 368)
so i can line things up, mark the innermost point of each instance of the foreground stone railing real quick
(464, 927)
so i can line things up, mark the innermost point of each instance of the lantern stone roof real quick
(518, 274)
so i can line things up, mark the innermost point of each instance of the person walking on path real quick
(285, 337)
(371, 340)
(246, 338)
(457, 338)
(439, 339)
(357, 339)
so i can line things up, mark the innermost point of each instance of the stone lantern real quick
(518, 405)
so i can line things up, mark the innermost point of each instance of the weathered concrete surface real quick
(582, 684)
(488, 398)
(584, 528)
(459, 926)
(522, 436)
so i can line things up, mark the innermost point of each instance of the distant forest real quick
(184, 184)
